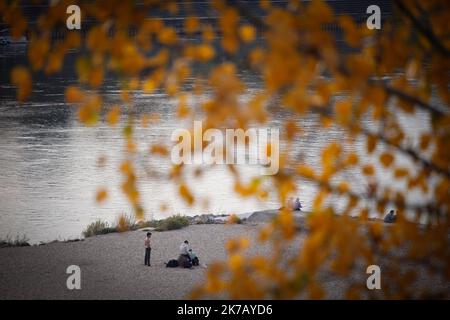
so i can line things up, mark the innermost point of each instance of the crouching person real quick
(194, 259)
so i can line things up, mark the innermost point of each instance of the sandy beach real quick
(112, 265)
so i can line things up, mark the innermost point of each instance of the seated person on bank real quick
(297, 205)
(390, 217)
(184, 259)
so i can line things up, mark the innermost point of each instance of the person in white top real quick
(184, 248)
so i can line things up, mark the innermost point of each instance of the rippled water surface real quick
(48, 171)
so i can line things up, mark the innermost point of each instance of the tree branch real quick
(390, 90)
(409, 98)
(244, 12)
(407, 151)
(429, 208)
(426, 32)
(410, 152)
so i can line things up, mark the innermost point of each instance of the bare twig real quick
(428, 208)
(426, 32)
(412, 99)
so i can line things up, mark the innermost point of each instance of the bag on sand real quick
(184, 261)
(195, 261)
(172, 264)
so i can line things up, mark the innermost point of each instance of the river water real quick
(48, 160)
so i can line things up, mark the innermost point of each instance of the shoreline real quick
(260, 216)
(23, 241)
(112, 265)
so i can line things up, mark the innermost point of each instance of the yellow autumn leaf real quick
(236, 261)
(54, 62)
(167, 36)
(256, 57)
(171, 88)
(183, 109)
(88, 113)
(230, 43)
(386, 159)
(316, 292)
(376, 229)
(159, 149)
(352, 34)
(400, 173)
(247, 33)
(371, 143)
(291, 129)
(101, 195)
(186, 194)
(343, 186)
(265, 4)
(305, 171)
(191, 24)
(425, 141)
(172, 7)
(126, 167)
(21, 78)
(96, 77)
(368, 170)
(74, 94)
(125, 96)
(343, 111)
(113, 116)
(208, 33)
(204, 52)
(149, 85)
(352, 159)
(237, 244)
(38, 48)
(130, 146)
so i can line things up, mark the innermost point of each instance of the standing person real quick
(148, 249)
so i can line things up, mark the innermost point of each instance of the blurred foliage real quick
(400, 69)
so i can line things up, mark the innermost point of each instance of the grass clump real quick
(148, 224)
(128, 223)
(19, 241)
(98, 227)
(234, 219)
(172, 223)
(124, 222)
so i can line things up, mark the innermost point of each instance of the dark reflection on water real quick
(48, 172)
